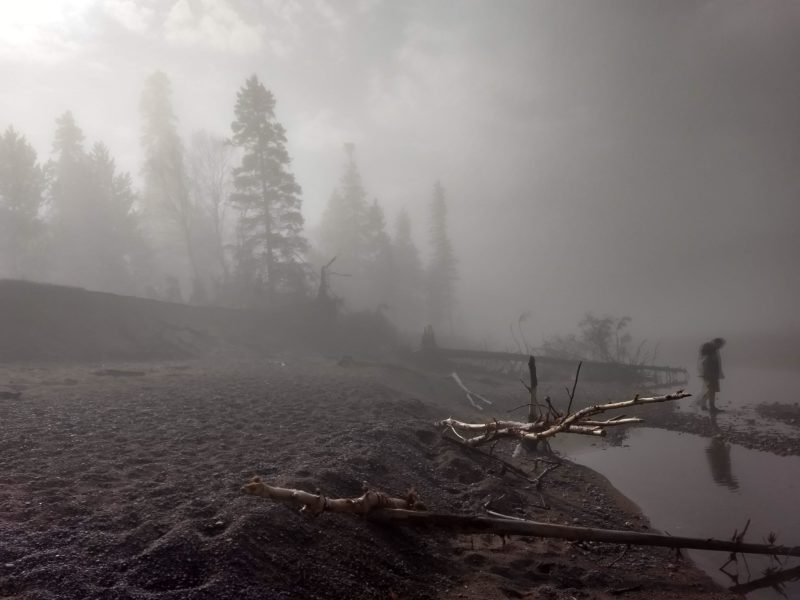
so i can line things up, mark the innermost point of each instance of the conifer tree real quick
(442, 271)
(21, 199)
(344, 220)
(408, 274)
(378, 259)
(122, 254)
(69, 187)
(266, 193)
(95, 231)
(169, 210)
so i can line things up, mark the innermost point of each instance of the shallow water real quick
(704, 487)
(700, 487)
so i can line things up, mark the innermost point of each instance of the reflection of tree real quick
(772, 578)
(719, 459)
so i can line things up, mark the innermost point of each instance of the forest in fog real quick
(216, 220)
(462, 165)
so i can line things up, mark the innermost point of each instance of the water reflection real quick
(718, 453)
(684, 497)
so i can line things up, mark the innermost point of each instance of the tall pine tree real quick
(169, 210)
(69, 182)
(378, 260)
(267, 195)
(21, 199)
(95, 230)
(442, 271)
(408, 275)
(122, 254)
(344, 221)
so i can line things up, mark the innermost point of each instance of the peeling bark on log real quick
(577, 422)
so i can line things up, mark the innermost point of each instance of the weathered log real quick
(471, 525)
(315, 504)
(379, 507)
(577, 422)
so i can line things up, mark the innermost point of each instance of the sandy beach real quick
(123, 480)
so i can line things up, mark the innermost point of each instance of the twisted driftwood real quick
(379, 507)
(548, 426)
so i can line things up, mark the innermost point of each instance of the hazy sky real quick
(627, 157)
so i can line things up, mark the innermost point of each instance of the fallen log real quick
(380, 508)
(314, 504)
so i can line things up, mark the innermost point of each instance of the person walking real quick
(711, 372)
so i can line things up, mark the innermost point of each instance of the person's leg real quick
(712, 396)
(701, 401)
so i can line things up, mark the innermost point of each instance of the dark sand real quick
(123, 481)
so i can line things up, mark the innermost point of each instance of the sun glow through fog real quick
(30, 27)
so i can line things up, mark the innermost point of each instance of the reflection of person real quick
(711, 372)
(719, 459)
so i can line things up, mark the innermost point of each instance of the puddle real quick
(693, 486)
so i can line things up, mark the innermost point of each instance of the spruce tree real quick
(95, 231)
(408, 274)
(442, 271)
(378, 260)
(122, 254)
(169, 210)
(69, 182)
(266, 193)
(344, 221)
(21, 199)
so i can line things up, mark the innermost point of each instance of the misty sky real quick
(625, 157)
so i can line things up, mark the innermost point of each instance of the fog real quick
(623, 158)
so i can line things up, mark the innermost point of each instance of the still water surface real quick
(704, 487)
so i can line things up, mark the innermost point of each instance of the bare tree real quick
(210, 163)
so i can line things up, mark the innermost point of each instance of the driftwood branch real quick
(408, 511)
(548, 426)
(470, 394)
(314, 504)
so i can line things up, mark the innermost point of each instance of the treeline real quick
(217, 220)
(603, 339)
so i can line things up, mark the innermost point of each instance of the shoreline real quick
(123, 478)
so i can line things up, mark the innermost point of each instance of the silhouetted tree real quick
(344, 221)
(123, 256)
(69, 182)
(21, 198)
(211, 159)
(408, 274)
(378, 259)
(169, 210)
(96, 238)
(267, 195)
(442, 271)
